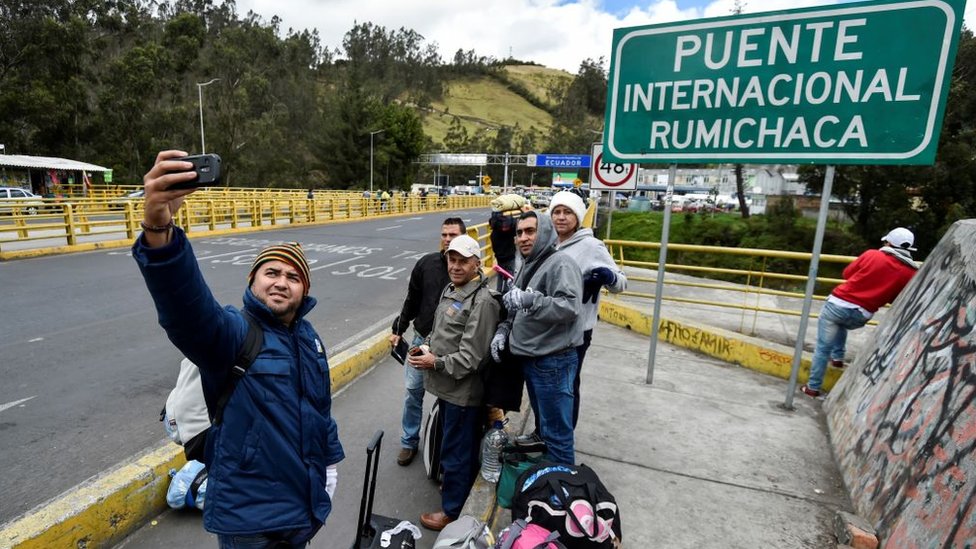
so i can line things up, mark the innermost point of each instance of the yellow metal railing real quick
(70, 222)
(753, 281)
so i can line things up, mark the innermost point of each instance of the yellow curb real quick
(102, 511)
(749, 352)
(105, 244)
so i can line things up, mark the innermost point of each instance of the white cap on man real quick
(900, 237)
(466, 246)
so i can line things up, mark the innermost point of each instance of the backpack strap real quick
(253, 342)
(514, 531)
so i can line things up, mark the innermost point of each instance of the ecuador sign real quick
(860, 83)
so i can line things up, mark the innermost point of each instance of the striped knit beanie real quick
(291, 253)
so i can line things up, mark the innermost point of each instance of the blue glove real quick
(517, 299)
(594, 280)
(602, 275)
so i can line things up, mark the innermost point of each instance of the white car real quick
(27, 201)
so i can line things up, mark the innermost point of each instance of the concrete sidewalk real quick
(704, 457)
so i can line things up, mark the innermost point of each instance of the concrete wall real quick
(903, 419)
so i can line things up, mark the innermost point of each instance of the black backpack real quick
(195, 447)
(571, 500)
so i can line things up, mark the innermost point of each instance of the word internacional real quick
(861, 83)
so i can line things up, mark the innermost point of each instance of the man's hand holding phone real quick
(173, 176)
(421, 358)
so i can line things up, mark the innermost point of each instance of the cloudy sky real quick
(555, 33)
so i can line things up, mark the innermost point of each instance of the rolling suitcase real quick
(370, 528)
(432, 439)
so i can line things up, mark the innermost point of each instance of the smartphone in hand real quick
(207, 167)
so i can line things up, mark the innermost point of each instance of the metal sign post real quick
(662, 259)
(811, 283)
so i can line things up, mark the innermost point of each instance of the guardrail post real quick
(130, 220)
(20, 223)
(83, 220)
(183, 220)
(310, 216)
(334, 208)
(212, 214)
(291, 211)
(69, 224)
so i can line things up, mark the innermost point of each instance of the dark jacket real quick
(268, 457)
(427, 281)
(502, 234)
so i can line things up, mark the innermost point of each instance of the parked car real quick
(119, 203)
(540, 200)
(27, 201)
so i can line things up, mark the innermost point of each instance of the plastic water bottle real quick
(491, 451)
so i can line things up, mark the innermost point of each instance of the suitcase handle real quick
(369, 488)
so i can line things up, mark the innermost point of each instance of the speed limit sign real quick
(610, 176)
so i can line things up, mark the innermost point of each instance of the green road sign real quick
(858, 83)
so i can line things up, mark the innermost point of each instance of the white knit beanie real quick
(571, 201)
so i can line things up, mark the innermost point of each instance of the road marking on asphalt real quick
(362, 335)
(35, 340)
(347, 260)
(388, 228)
(413, 218)
(228, 253)
(14, 403)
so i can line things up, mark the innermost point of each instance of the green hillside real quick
(487, 102)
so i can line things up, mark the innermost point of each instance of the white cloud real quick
(557, 34)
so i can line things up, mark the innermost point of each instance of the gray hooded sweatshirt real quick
(553, 322)
(589, 253)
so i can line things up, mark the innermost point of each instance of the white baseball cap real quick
(900, 237)
(466, 246)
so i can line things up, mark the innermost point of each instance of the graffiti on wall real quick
(907, 449)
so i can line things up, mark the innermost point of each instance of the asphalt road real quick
(85, 367)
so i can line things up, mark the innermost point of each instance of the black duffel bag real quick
(571, 500)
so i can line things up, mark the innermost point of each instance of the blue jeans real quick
(549, 381)
(580, 355)
(413, 403)
(459, 454)
(832, 338)
(272, 540)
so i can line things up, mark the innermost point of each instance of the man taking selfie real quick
(272, 459)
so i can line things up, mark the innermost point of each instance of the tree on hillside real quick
(579, 109)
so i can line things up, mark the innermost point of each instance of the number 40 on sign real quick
(611, 176)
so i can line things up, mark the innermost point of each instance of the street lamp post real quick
(371, 134)
(203, 143)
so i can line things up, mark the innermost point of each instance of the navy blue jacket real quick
(268, 457)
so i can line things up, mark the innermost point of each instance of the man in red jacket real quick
(872, 281)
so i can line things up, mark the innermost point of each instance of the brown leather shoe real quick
(406, 455)
(435, 521)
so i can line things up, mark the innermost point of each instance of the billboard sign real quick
(858, 83)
